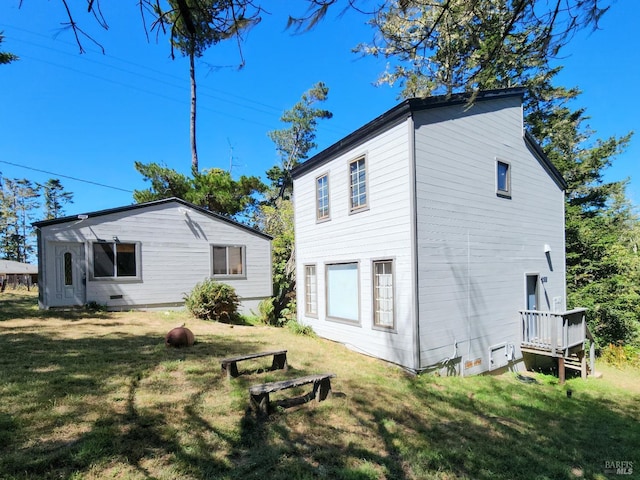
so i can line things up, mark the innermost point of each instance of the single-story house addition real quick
(422, 237)
(149, 255)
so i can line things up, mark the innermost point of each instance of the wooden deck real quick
(559, 335)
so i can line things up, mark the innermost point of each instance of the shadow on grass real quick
(52, 384)
(500, 430)
(401, 428)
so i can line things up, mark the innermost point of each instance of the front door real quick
(69, 275)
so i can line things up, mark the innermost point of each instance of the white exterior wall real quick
(474, 248)
(175, 254)
(381, 232)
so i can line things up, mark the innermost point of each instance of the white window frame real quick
(384, 304)
(503, 192)
(115, 277)
(311, 290)
(360, 183)
(345, 309)
(321, 214)
(243, 259)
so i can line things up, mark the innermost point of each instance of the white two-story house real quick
(425, 236)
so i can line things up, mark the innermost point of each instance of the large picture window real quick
(383, 304)
(228, 260)
(322, 197)
(310, 290)
(358, 184)
(343, 291)
(114, 260)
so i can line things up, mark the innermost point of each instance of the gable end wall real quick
(473, 246)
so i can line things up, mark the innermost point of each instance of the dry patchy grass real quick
(96, 396)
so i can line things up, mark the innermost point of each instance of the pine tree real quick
(55, 198)
(294, 143)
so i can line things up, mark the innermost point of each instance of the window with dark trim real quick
(343, 291)
(383, 301)
(322, 197)
(357, 184)
(115, 260)
(227, 260)
(503, 179)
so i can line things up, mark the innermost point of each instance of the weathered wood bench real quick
(259, 394)
(230, 365)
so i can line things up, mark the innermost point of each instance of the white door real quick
(69, 275)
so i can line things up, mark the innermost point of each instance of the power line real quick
(67, 176)
(251, 103)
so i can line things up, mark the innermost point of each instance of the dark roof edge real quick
(402, 110)
(537, 150)
(136, 206)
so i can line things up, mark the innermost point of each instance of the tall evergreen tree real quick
(294, 143)
(55, 198)
(196, 25)
(19, 204)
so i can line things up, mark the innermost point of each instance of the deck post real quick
(583, 364)
(561, 370)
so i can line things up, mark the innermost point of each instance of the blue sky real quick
(91, 116)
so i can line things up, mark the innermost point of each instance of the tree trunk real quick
(192, 129)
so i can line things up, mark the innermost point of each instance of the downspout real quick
(413, 216)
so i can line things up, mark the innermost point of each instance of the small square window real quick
(228, 260)
(503, 179)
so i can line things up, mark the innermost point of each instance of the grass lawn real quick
(98, 396)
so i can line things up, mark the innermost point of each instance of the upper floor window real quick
(115, 259)
(322, 197)
(503, 179)
(358, 184)
(228, 260)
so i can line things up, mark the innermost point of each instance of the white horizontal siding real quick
(474, 248)
(175, 253)
(380, 232)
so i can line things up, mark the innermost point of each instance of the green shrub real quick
(211, 300)
(269, 315)
(94, 306)
(294, 326)
(266, 311)
(621, 355)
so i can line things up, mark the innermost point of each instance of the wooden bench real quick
(259, 394)
(230, 365)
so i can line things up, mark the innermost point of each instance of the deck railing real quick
(555, 332)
